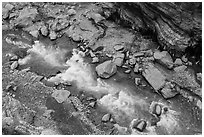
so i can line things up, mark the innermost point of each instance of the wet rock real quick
(44, 30)
(168, 91)
(140, 125)
(14, 65)
(178, 62)
(106, 69)
(53, 35)
(71, 12)
(164, 58)
(154, 76)
(60, 95)
(180, 68)
(106, 117)
(118, 47)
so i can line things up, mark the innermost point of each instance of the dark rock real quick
(106, 69)
(106, 117)
(60, 95)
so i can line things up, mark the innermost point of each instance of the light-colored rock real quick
(71, 12)
(138, 54)
(180, 68)
(136, 68)
(60, 95)
(178, 62)
(14, 65)
(137, 81)
(106, 69)
(9, 6)
(184, 58)
(168, 91)
(154, 76)
(44, 30)
(53, 35)
(95, 60)
(34, 33)
(199, 104)
(106, 117)
(127, 71)
(139, 125)
(118, 47)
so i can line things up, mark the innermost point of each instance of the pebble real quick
(137, 81)
(14, 65)
(14, 58)
(199, 104)
(106, 118)
(92, 104)
(95, 60)
(44, 30)
(52, 35)
(34, 33)
(138, 54)
(136, 68)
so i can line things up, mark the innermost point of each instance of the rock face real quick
(106, 69)
(61, 95)
(155, 78)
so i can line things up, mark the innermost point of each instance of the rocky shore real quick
(101, 68)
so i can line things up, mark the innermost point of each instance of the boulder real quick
(106, 69)
(154, 76)
(60, 95)
(164, 58)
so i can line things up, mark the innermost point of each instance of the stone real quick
(164, 58)
(14, 58)
(118, 61)
(132, 61)
(92, 104)
(92, 54)
(14, 65)
(158, 110)
(138, 54)
(137, 81)
(168, 91)
(95, 60)
(9, 6)
(5, 13)
(180, 68)
(178, 62)
(106, 117)
(184, 59)
(154, 76)
(119, 47)
(136, 68)
(199, 76)
(34, 33)
(199, 104)
(106, 69)
(127, 71)
(44, 30)
(60, 95)
(140, 126)
(71, 12)
(53, 35)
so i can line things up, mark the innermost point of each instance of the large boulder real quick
(106, 69)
